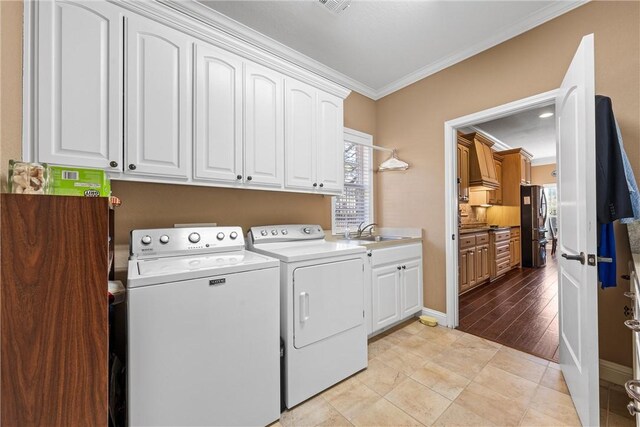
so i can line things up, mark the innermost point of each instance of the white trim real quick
(615, 373)
(29, 73)
(451, 193)
(552, 11)
(438, 315)
(539, 161)
(365, 140)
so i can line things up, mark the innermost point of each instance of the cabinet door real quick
(386, 292)
(158, 99)
(486, 263)
(463, 271)
(472, 267)
(523, 169)
(482, 263)
(464, 172)
(517, 251)
(264, 126)
(80, 84)
(495, 196)
(330, 149)
(300, 135)
(218, 115)
(411, 288)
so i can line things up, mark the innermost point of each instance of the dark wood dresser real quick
(54, 310)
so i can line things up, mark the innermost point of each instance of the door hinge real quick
(453, 237)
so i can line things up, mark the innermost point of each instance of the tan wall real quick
(412, 120)
(541, 175)
(10, 85)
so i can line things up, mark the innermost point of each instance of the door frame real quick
(451, 185)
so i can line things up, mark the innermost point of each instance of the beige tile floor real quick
(419, 375)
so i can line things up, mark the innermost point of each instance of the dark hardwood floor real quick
(519, 310)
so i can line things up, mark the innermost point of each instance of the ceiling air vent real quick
(336, 6)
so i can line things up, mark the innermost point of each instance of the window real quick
(355, 204)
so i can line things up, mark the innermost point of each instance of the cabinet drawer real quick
(503, 266)
(501, 236)
(501, 250)
(515, 232)
(482, 238)
(467, 241)
(395, 254)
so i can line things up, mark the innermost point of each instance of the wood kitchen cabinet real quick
(80, 83)
(463, 169)
(396, 285)
(473, 260)
(516, 170)
(158, 99)
(314, 148)
(500, 247)
(54, 304)
(516, 247)
(495, 196)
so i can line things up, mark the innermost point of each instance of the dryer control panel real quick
(285, 233)
(182, 241)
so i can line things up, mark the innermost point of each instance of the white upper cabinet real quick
(300, 135)
(314, 145)
(79, 83)
(264, 126)
(330, 150)
(218, 115)
(158, 99)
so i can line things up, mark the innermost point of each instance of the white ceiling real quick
(526, 130)
(378, 47)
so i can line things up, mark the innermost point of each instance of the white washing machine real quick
(203, 330)
(322, 306)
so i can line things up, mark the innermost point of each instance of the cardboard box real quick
(71, 181)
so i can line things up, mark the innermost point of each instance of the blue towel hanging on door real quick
(607, 249)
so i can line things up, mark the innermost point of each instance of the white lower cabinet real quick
(396, 285)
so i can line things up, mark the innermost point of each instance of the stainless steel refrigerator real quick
(533, 218)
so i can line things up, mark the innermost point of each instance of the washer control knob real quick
(233, 235)
(146, 240)
(220, 236)
(164, 239)
(194, 237)
(307, 230)
(274, 232)
(263, 232)
(284, 231)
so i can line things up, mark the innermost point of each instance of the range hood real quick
(482, 168)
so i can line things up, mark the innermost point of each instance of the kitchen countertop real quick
(481, 229)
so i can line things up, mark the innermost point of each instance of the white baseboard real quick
(614, 373)
(438, 315)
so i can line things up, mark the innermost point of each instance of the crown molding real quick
(257, 44)
(550, 12)
(498, 145)
(223, 23)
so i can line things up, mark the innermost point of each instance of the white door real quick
(300, 135)
(385, 283)
(327, 299)
(578, 281)
(264, 126)
(80, 84)
(218, 115)
(411, 287)
(330, 149)
(157, 98)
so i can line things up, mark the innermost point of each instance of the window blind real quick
(353, 206)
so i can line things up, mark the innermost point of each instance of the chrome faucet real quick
(362, 229)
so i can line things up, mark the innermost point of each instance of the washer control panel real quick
(181, 241)
(285, 233)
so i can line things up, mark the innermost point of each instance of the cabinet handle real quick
(239, 177)
(404, 267)
(315, 184)
(321, 185)
(399, 268)
(132, 167)
(113, 164)
(249, 178)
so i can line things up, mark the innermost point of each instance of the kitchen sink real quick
(379, 238)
